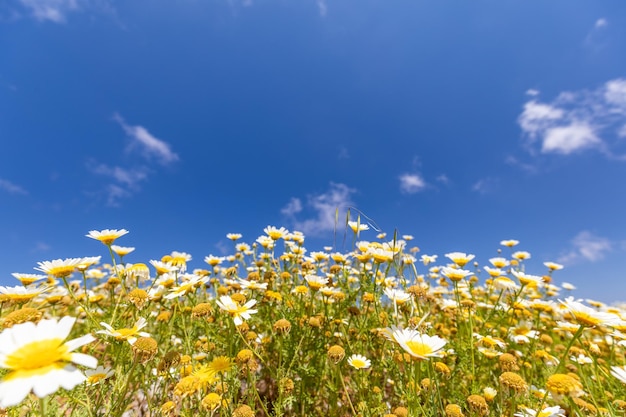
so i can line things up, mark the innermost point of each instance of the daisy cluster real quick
(271, 329)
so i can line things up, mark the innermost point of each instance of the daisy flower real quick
(419, 345)
(233, 308)
(459, 258)
(191, 282)
(359, 362)
(587, 316)
(122, 250)
(27, 279)
(275, 233)
(129, 334)
(397, 296)
(316, 282)
(59, 268)
(357, 226)
(554, 411)
(252, 285)
(455, 274)
(94, 376)
(39, 360)
(107, 236)
(20, 294)
(428, 259)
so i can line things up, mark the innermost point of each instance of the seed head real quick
(453, 410)
(21, 316)
(514, 382)
(144, 349)
(282, 326)
(243, 411)
(336, 353)
(478, 405)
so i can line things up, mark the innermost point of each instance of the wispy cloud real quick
(513, 161)
(576, 121)
(443, 179)
(322, 7)
(114, 194)
(411, 183)
(125, 181)
(321, 208)
(147, 144)
(128, 177)
(598, 37)
(50, 10)
(485, 185)
(586, 246)
(11, 188)
(57, 11)
(40, 247)
(293, 207)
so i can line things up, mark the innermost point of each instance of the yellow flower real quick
(38, 359)
(221, 364)
(95, 376)
(421, 346)
(359, 362)
(59, 268)
(459, 258)
(128, 334)
(564, 385)
(107, 236)
(238, 312)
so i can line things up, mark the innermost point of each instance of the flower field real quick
(273, 329)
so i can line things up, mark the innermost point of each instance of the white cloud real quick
(615, 94)
(11, 188)
(57, 11)
(587, 247)
(129, 177)
(532, 92)
(411, 183)
(114, 193)
(598, 36)
(322, 7)
(147, 144)
(322, 208)
(485, 185)
(52, 10)
(293, 207)
(443, 178)
(568, 139)
(40, 247)
(513, 161)
(576, 121)
(536, 117)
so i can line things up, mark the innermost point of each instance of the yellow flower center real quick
(358, 363)
(126, 333)
(95, 378)
(585, 319)
(419, 348)
(62, 271)
(38, 357)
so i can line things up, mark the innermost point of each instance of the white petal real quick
(85, 360)
(79, 341)
(72, 377)
(12, 392)
(44, 385)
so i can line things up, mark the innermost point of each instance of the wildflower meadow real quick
(363, 328)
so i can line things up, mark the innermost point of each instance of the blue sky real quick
(460, 123)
